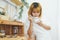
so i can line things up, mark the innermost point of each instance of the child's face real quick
(35, 12)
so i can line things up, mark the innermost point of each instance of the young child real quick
(34, 26)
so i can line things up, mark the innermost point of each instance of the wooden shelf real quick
(8, 27)
(17, 38)
(10, 22)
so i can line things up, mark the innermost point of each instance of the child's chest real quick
(39, 29)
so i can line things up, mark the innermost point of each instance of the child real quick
(34, 26)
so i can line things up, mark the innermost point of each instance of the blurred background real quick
(49, 13)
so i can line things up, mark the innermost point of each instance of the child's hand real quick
(48, 27)
(44, 26)
(30, 18)
(39, 23)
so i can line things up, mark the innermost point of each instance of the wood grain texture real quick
(17, 38)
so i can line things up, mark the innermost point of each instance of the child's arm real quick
(44, 26)
(30, 27)
(30, 30)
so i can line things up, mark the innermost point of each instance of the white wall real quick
(11, 10)
(49, 16)
(58, 20)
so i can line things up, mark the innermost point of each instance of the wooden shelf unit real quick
(8, 27)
